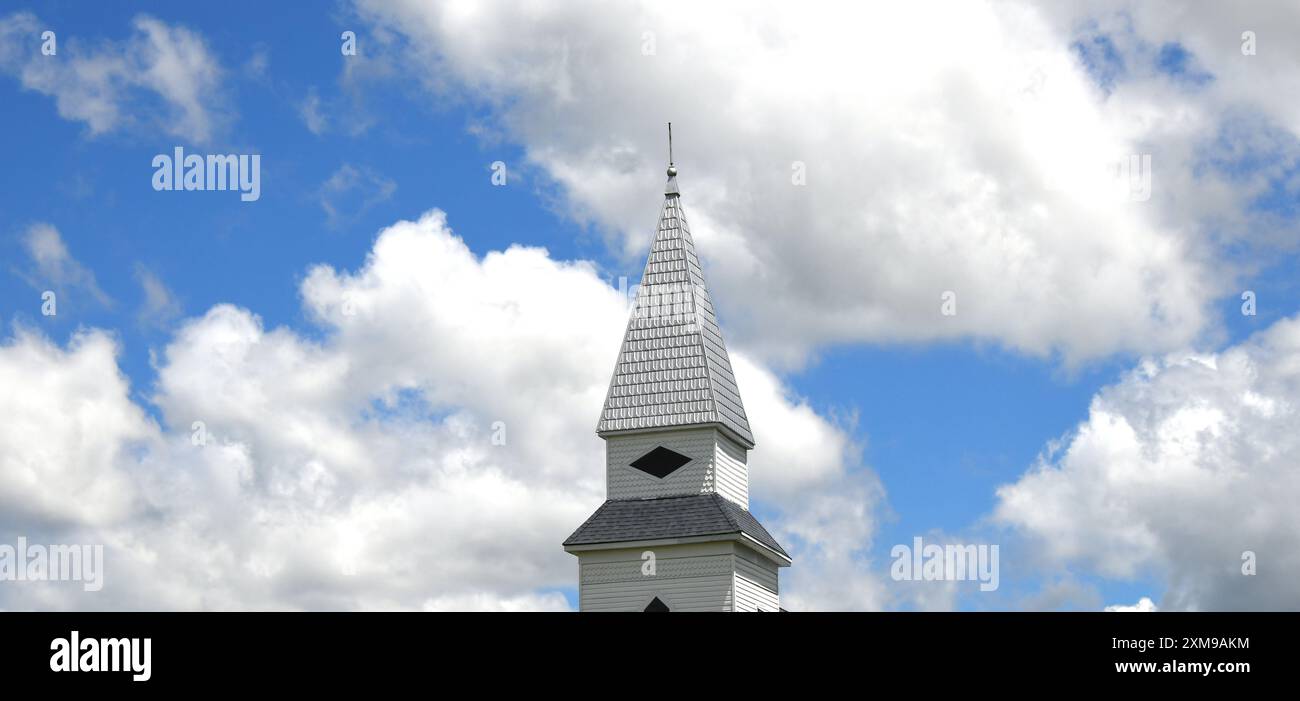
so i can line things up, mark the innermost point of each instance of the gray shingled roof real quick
(622, 520)
(673, 369)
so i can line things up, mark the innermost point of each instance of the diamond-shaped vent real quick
(660, 462)
(656, 606)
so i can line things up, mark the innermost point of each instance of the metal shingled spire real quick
(673, 370)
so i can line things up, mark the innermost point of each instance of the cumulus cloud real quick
(975, 155)
(1207, 90)
(67, 437)
(162, 76)
(1185, 470)
(357, 467)
(1215, 38)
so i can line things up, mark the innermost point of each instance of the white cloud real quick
(1212, 33)
(966, 155)
(68, 432)
(1220, 136)
(1144, 605)
(53, 267)
(310, 111)
(808, 440)
(485, 602)
(1184, 470)
(355, 468)
(162, 76)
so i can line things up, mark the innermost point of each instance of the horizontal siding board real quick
(756, 584)
(665, 568)
(693, 581)
(731, 474)
(752, 596)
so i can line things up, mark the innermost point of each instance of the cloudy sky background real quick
(1099, 406)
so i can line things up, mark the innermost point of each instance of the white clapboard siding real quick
(730, 473)
(756, 584)
(720, 576)
(687, 578)
(696, 594)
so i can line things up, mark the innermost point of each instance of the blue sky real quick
(943, 418)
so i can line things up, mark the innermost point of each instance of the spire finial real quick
(672, 170)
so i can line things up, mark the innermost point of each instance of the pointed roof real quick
(673, 369)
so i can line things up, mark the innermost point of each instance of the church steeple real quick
(675, 532)
(673, 369)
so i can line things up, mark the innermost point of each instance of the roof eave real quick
(781, 559)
